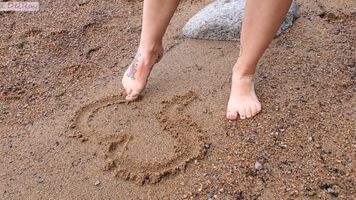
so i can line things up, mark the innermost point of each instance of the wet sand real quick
(66, 133)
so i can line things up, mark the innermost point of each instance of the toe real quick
(249, 112)
(128, 98)
(254, 110)
(258, 107)
(242, 113)
(133, 95)
(230, 115)
(131, 98)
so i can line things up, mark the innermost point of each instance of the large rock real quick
(222, 20)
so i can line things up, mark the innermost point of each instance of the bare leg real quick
(156, 17)
(261, 22)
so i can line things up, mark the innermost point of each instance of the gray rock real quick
(222, 20)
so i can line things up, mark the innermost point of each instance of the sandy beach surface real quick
(66, 133)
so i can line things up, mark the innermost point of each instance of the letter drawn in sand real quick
(138, 146)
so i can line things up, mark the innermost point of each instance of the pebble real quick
(258, 165)
(311, 193)
(211, 194)
(97, 183)
(331, 191)
(83, 2)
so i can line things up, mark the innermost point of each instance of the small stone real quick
(337, 31)
(211, 194)
(331, 191)
(97, 183)
(83, 2)
(322, 13)
(258, 165)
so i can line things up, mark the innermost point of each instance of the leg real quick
(156, 17)
(261, 22)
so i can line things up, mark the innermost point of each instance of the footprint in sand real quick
(141, 146)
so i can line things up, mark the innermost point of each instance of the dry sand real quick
(65, 132)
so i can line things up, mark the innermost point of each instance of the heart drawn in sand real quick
(142, 146)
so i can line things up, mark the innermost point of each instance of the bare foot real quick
(243, 101)
(136, 75)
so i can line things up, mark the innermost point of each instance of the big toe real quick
(133, 95)
(231, 115)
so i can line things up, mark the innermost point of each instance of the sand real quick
(66, 133)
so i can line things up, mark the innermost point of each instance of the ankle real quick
(154, 48)
(244, 70)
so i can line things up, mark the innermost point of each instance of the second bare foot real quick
(243, 101)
